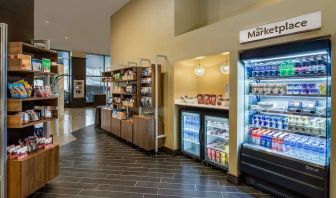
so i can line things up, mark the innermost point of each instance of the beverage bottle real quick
(291, 68)
(312, 65)
(284, 68)
(293, 145)
(305, 63)
(268, 142)
(286, 144)
(306, 150)
(322, 152)
(321, 64)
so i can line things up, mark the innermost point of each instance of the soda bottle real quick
(321, 66)
(284, 68)
(305, 63)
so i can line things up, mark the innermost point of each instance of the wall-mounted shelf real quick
(15, 123)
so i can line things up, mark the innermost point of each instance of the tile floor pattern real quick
(98, 165)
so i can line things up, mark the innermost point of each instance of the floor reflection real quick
(74, 119)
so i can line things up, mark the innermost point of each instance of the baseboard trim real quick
(169, 151)
(232, 179)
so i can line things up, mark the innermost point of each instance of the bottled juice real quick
(284, 68)
(291, 68)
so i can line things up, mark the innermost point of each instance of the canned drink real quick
(210, 153)
(213, 154)
(222, 158)
(218, 155)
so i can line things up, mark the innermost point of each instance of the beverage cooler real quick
(287, 118)
(205, 136)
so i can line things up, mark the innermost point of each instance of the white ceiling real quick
(86, 23)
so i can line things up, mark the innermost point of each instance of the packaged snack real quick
(27, 86)
(46, 64)
(200, 98)
(24, 117)
(17, 90)
(33, 115)
(309, 106)
(47, 113)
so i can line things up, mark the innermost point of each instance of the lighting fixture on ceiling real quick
(225, 53)
(199, 70)
(225, 69)
(47, 22)
(66, 38)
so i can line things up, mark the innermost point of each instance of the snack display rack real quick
(131, 86)
(41, 164)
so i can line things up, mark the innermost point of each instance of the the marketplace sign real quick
(294, 25)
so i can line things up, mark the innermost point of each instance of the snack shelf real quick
(35, 72)
(15, 123)
(288, 77)
(36, 153)
(16, 105)
(284, 130)
(134, 79)
(290, 113)
(32, 99)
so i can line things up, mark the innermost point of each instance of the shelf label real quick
(304, 23)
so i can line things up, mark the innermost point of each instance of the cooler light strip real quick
(286, 57)
(326, 78)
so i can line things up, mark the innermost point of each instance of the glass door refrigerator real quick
(216, 132)
(191, 133)
(287, 118)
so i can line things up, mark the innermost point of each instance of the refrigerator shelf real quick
(292, 95)
(191, 141)
(215, 163)
(286, 131)
(192, 130)
(274, 152)
(219, 136)
(281, 78)
(290, 113)
(218, 149)
(218, 127)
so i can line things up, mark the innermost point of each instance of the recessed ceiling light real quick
(47, 22)
(225, 53)
(200, 57)
(66, 38)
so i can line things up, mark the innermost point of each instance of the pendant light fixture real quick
(225, 69)
(199, 70)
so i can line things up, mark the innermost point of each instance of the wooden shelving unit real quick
(151, 85)
(134, 80)
(30, 173)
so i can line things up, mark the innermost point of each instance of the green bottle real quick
(284, 68)
(291, 68)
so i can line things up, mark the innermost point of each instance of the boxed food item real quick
(21, 60)
(37, 64)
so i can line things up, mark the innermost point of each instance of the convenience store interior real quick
(169, 98)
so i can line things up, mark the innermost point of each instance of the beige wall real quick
(144, 28)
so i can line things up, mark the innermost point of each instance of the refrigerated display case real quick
(190, 131)
(217, 140)
(205, 135)
(287, 117)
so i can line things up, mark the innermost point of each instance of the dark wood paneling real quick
(19, 15)
(78, 72)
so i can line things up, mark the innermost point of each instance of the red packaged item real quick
(22, 152)
(200, 98)
(213, 100)
(206, 99)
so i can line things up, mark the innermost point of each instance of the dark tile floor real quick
(97, 165)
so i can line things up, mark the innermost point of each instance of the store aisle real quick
(73, 120)
(98, 165)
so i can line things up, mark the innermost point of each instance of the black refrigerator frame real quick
(281, 175)
(221, 113)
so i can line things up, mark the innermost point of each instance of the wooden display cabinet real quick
(115, 126)
(127, 130)
(106, 116)
(144, 132)
(27, 175)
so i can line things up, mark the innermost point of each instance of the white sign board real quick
(308, 22)
(78, 89)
